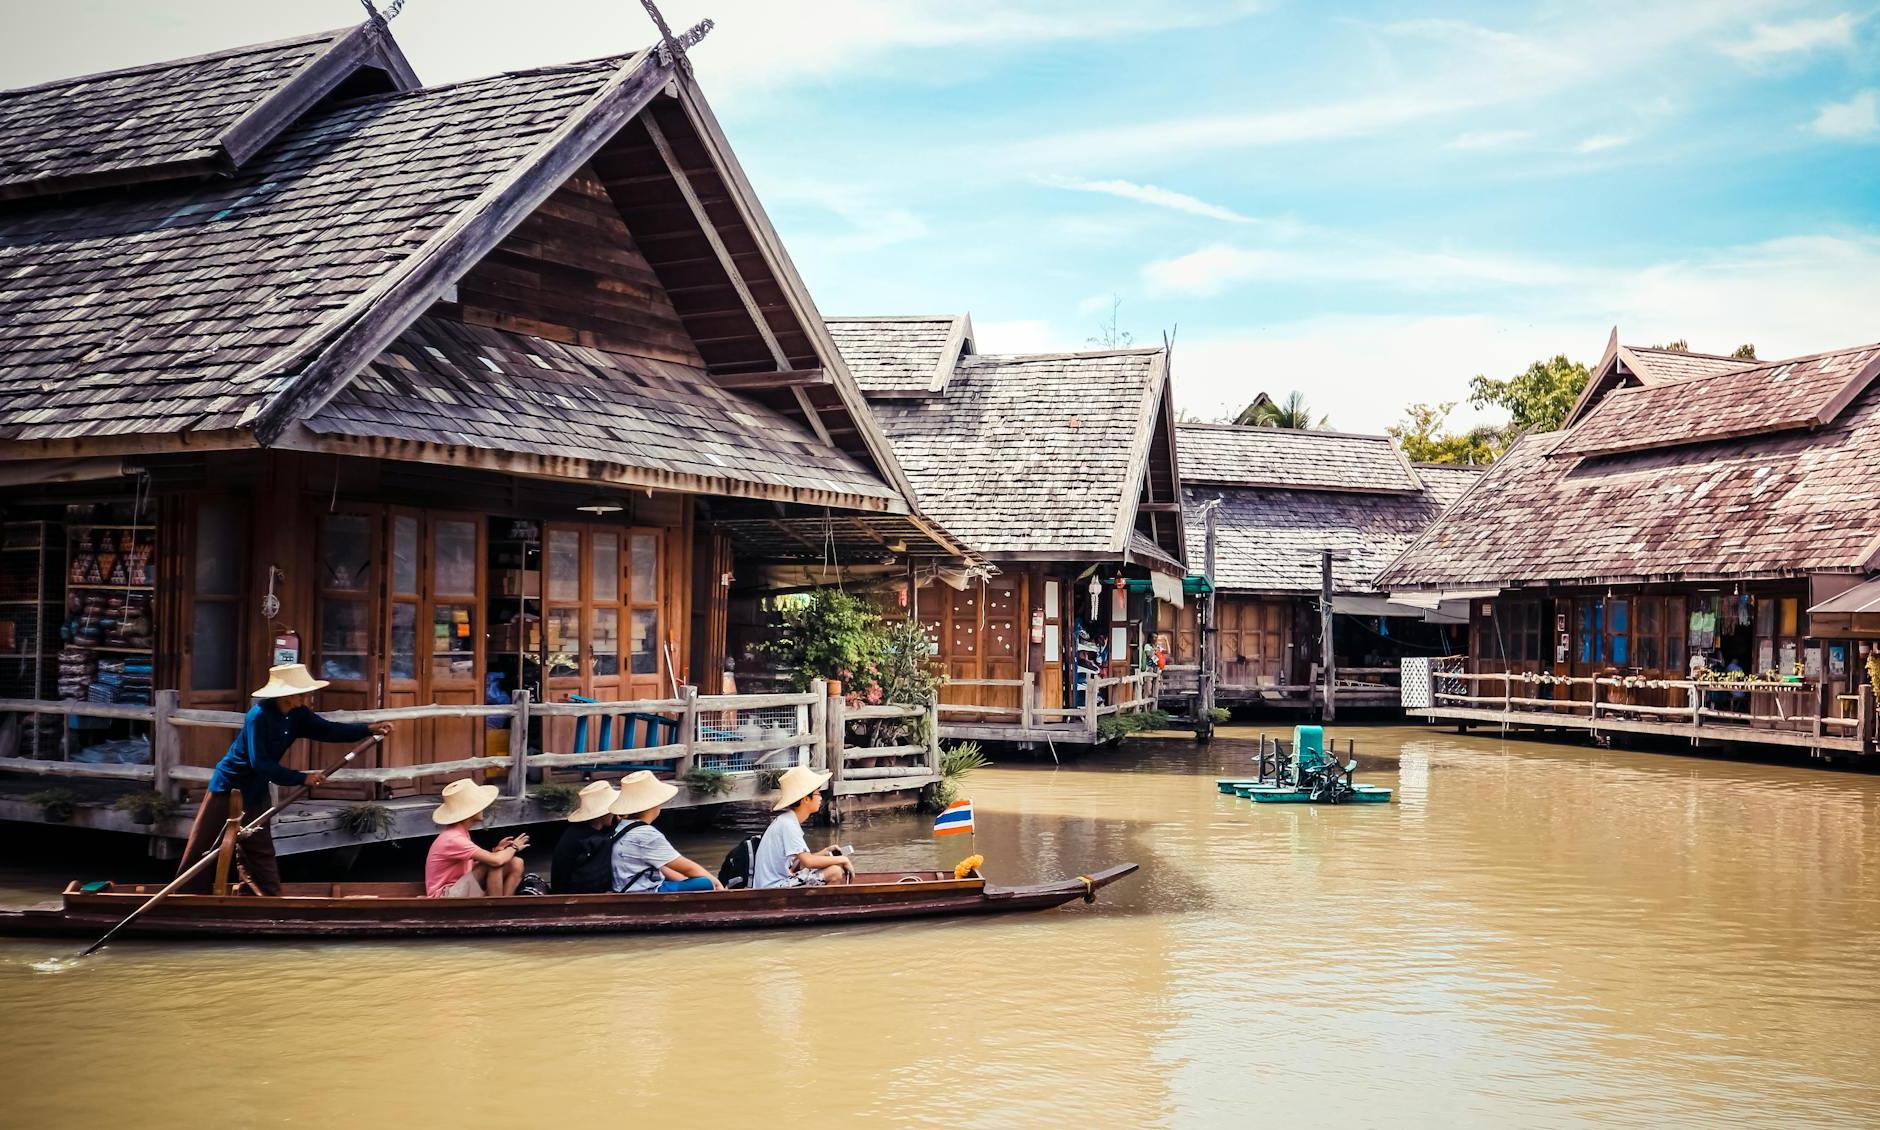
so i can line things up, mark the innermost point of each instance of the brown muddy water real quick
(1531, 935)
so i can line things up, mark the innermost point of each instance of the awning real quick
(1862, 598)
(1166, 588)
(1398, 606)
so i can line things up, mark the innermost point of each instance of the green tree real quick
(1538, 398)
(1425, 437)
(1292, 412)
(826, 634)
(1745, 352)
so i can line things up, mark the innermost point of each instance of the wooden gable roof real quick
(1633, 366)
(1046, 456)
(1293, 458)
(904, 356)
(1768, 502)
(183, 118)
(233, 311)
(1285, 495)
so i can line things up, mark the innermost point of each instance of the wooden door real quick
(961, 650)
(402, 680)
(1056, 640)
(347, 646)
(1001, 637)
(647, 631)
(564, 670)
(1254, 637)
(453, 671)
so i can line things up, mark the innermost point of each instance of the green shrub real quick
(556, 798)
(711, 782)
(56, 805)
(1114, 727)
(145, 807)
(957, 762)
(1218, 714)
(367, 819)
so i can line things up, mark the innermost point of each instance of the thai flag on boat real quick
(954, 819)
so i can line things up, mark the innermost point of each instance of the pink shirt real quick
(451, 856)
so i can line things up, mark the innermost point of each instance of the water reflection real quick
(1530, 935)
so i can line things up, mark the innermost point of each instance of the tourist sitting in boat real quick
(455, 867)
(644, 860)
(783, 855)
(583, 863)
(279, 718)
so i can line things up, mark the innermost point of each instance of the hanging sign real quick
(286, 648)
(1037, 625)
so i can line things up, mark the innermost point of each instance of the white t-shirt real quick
(638, 855)
(776, 853)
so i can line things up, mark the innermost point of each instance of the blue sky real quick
(1370, 203)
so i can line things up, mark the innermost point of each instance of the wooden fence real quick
(750, 732)
(1125, 694)
(1788, 714)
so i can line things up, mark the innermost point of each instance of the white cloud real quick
(1857, 117)
(1489, 139)
(1219, 267)
(1153, 195)
(1789, 296)
(1771, 41)
(1601, 142)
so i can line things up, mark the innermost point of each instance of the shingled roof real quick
(1288, 494)
(231, 310)
(1654, 364)
(1236, 455)
(1036, 456)
(905, 356)
(1769, 504)
(179, 118)
(447, 383)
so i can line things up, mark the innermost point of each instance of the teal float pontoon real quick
(1302, 772)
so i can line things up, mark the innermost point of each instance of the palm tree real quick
(1293, 412)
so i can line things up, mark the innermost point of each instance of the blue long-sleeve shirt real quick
(253, 760)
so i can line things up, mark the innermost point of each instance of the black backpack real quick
(593, 870)
(740, 863)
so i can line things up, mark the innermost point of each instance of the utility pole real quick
(1326, 663)
(1204, 625)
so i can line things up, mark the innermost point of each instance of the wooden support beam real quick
(730, 267)
(764, 381)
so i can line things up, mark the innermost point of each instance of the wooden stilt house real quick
(1690, 556)
(1279, 501)
(1057, 471)
(440, 390)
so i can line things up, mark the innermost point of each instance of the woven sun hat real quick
(597, 799)
(641, 791)
(798, 782)
(462, 800)
(289, 678)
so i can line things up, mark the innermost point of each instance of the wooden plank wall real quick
(572, 273)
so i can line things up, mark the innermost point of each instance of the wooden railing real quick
(696, 719)
(1793, 710)
(1127, 693)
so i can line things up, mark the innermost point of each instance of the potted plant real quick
(146, 807)
(56, 805)
(711, 782)
(366, 820)
(556, 798)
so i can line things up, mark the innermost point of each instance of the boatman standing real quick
(279, 718)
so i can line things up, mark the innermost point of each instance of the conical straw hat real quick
(597, 799)
(462, 800)
(798, 782)
(641, 791)
(289, 678)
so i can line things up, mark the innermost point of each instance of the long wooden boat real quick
(378, 910)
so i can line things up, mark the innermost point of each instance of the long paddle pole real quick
(210, 856)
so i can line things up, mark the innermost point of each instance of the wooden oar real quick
(209, 856)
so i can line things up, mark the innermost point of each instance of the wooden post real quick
(1507, 693)
(1697, 709)
(1027, 697)
(1821, 710)
(1863, 714)
(1090, 702)
(836, 733)
(1326, 662)
(519, 746)
(933, 732)
(819, 731)
(165, 741)
(1594, 686)
(225, 855)
(688, 732)
(1204, 632)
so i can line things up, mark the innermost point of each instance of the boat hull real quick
(364, 911)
